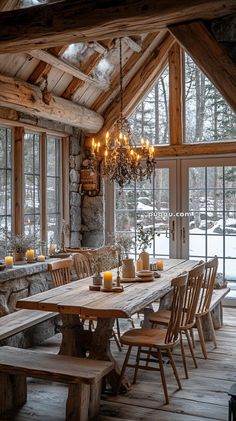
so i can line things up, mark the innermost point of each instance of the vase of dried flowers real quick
(144, 239)
(128, 269)
(19, 244)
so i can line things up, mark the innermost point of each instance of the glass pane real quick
(230, 246)
(214, 177)
(53, 190)
(230, 269)
(208, 118)
(5, 186)
(197, 178)
(150, 118)
(215, 246)
(3, 144)
(125, 221)
(197, 245)
(197, 200)
(125, 200)
(230, 177)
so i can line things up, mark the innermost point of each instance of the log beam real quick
(28, 98)
(142, 81)
(210, 57)
(88, 20)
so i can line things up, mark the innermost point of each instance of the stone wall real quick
(76, 144)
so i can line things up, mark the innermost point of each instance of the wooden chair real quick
(82, 265)
(161, 340)
(191, 299)
(204, 302)
(60, 271)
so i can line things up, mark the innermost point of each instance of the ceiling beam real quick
(42, 69)
(66, 67)
(24, 97)
(132, 44)
(86, 67)
(142, 81)
(88, 20)
(210, 57)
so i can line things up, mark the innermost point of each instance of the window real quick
(42, 187)
(208, 118)
(150, 118)
(32, 219)
(145, 203)
(5, 184)
(53, 190)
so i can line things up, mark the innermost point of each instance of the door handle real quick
(171, 231)
(183, 235)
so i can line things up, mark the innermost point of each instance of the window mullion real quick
(43, 185)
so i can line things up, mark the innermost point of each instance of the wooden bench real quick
(216, 310)
(20, 320)
(83, 376)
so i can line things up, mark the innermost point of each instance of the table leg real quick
(100, 350)
(76, 341)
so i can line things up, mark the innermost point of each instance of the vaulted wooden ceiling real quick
(38, 77)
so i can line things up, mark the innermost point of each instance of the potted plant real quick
(18, 244)
(144, 239)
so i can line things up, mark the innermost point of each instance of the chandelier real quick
(123, 161)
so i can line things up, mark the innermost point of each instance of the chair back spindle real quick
(60, 271)
(191, 299)
(207, 286)
(179, 285)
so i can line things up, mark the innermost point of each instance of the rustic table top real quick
(76, 298)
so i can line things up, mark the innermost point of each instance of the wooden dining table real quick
(75, 301)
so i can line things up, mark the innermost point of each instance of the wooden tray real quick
(113, 289)
(136, 279)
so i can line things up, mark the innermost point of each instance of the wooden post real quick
(18, 188)
(13, 392)
(65, 188)
(176, 94)
(77, 405)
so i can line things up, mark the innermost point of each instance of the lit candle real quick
(107, 280)
(139, 265)
(107, 137)
(41, 258)
(52, 249)
(30, 254)
(9, 262)
(160, 265)
(93, 145)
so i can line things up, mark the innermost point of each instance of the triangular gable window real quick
(208, 117)
(150, 119)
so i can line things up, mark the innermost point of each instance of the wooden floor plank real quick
(204, 396)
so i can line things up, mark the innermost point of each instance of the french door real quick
(208, 195)
(191, 202)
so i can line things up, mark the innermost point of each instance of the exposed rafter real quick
(86, 67)
(62, 65)
(132, 61)
(28, 98)
(142, 81)
(88, 20)
(132, 44)
(209, 56)
(42, 69)
(6, 5)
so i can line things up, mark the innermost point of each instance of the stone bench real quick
(21, 320)
(83, 376)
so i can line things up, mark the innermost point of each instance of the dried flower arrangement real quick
(19, 243)
(145, 236)
(124, 243)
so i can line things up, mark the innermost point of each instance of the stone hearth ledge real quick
(20, 271)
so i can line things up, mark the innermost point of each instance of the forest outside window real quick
(5, 184)
(208, 117)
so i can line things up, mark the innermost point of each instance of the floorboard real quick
(204, 396)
